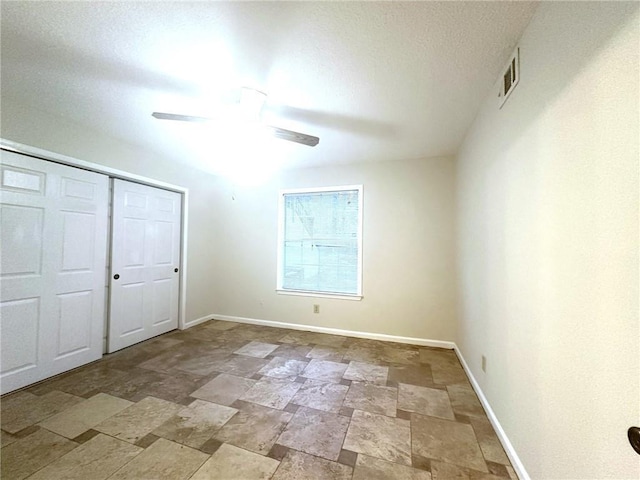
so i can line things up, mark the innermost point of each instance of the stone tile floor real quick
(232, 401)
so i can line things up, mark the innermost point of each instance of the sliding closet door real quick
(145, 263)
(54, 224)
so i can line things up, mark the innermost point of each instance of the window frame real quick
(280, 258)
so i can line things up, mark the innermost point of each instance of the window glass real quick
(320, 241)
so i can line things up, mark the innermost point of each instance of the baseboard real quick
(502, 436)
(193, 323)
(336, 331)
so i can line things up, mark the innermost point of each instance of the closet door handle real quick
(634, 438)
(116, 276)
(175, 270)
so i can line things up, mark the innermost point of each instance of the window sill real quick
(301, 293)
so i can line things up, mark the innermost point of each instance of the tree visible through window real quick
(320, 241)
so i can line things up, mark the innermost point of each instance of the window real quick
(320, 241)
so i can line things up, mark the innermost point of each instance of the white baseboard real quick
(502, 436)
(193, 323)
(336, 331)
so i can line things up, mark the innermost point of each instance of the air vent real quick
(510, 77)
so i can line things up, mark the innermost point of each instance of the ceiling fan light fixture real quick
(251, 103)
(247, 119)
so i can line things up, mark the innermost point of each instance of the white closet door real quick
(54, 224)
(145, 262)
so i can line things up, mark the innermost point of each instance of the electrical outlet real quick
(316, 309)
(484, 363)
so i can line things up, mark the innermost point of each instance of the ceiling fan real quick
(250, 105)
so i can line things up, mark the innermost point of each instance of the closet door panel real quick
(54, 221)
(145, 259)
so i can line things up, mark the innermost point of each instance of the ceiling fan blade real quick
(292, 136)
(280, 133)
(179, 118)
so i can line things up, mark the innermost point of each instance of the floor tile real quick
(165, 362)
(445, 440)
(424, 400)
(365, 372)
(281, 367)
(244, 334)
(292, 351)
(326, 353)
(278, 452)
(147, 440)
(86, 436)
(488, 440)
(221, 325)
(23, 409)
(254, 428)
(29, 454)
(82, 381)
(239, 365)
(324, 370)
(297, 337)
(96, 459)
(204, 363)
(403, 414)
(300, 466)
(315, 432)
(224, 389)
(364, 353)
(139, 419)
(137, 354)
(446, 374)
(272, 392)
(438, 356)
(420, 462)
(27, 431)
(372, 398)
(196, 423)
(193, 375)
(232, 463)
(411, 375)
(211, 446)
(446, 471)
(162, 460)
(218, 338)
(347, 457)
(160, 343)
(497, 469)
(143, 383)
(400, 354)
(85, 415)
(320, 395)
(261, 333)
(464, 401)
(370, 468)
(256, 349)
(346, 411)
(379, 436)
(7, 438)
(326, 339)
(193, 356)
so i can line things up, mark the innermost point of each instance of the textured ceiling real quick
(374, 80)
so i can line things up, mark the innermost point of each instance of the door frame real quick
(121, 174)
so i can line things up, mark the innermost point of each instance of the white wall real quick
(23, 124)
(408, 283)
(547, 208)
